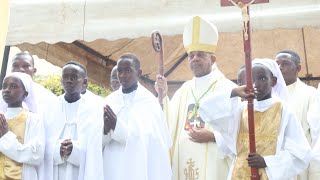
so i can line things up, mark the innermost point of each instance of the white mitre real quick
(200, 35)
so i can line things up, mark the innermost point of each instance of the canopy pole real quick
(4, 64)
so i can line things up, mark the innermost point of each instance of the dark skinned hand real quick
(256, 161)
(110, 120)
(201, 135)
(66, 148)
(243, 92)
(3, 125)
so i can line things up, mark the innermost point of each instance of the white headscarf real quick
(280, 89)
(30, 99)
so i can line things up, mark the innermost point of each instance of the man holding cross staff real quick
(271, 146)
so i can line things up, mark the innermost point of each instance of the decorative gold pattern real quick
(267, 125)
(9, 169)
(191, 172)
(177, 134)
(201, 47)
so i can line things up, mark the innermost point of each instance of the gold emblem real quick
(191, 173)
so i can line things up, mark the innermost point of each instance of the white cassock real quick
(81, 122)
(92, 97)
(301, 97)
(191, 160)
(292, 149)
(314, 121)
(31, 152)
(138, 148)
(43, 98)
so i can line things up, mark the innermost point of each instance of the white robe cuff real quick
(120, 133)
(106, 138)
(56, 155)
(28, 153)
(221, 143)
(5, 138)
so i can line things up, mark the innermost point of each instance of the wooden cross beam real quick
(244, 7)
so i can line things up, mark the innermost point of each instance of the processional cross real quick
(244, 6)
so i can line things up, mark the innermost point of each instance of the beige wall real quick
(266, 44)
(4, 18)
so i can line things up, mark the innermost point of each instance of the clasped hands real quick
(66, 148)
(110, 119)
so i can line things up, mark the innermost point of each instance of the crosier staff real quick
(157, 44)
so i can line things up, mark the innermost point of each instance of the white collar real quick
(12, 112)
(263, 105)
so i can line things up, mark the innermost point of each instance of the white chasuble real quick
(192, 160)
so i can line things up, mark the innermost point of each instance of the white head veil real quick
(280, 89)
(30, 99)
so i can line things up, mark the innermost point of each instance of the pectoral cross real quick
(244, 7)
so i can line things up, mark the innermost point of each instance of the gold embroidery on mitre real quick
(190, 172)
(201, 47)
(10, 169)
(267, 125)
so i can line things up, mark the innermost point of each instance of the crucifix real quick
(244, 7)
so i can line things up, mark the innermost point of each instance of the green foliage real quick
(99, 90)
(53, 83)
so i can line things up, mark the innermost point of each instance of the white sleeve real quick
(56, 155)
(32, 151)
(294, 154)
(166, 108)
(313, 118)
(120, 132)
(222, 113)
(106, 138)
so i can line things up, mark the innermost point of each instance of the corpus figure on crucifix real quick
(245, 15)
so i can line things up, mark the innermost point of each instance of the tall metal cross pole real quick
(244, 7)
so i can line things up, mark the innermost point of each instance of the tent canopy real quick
(97, 32)
(53, 21)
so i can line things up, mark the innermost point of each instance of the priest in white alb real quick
(73, 125)
(301, 97)
(136, 141)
